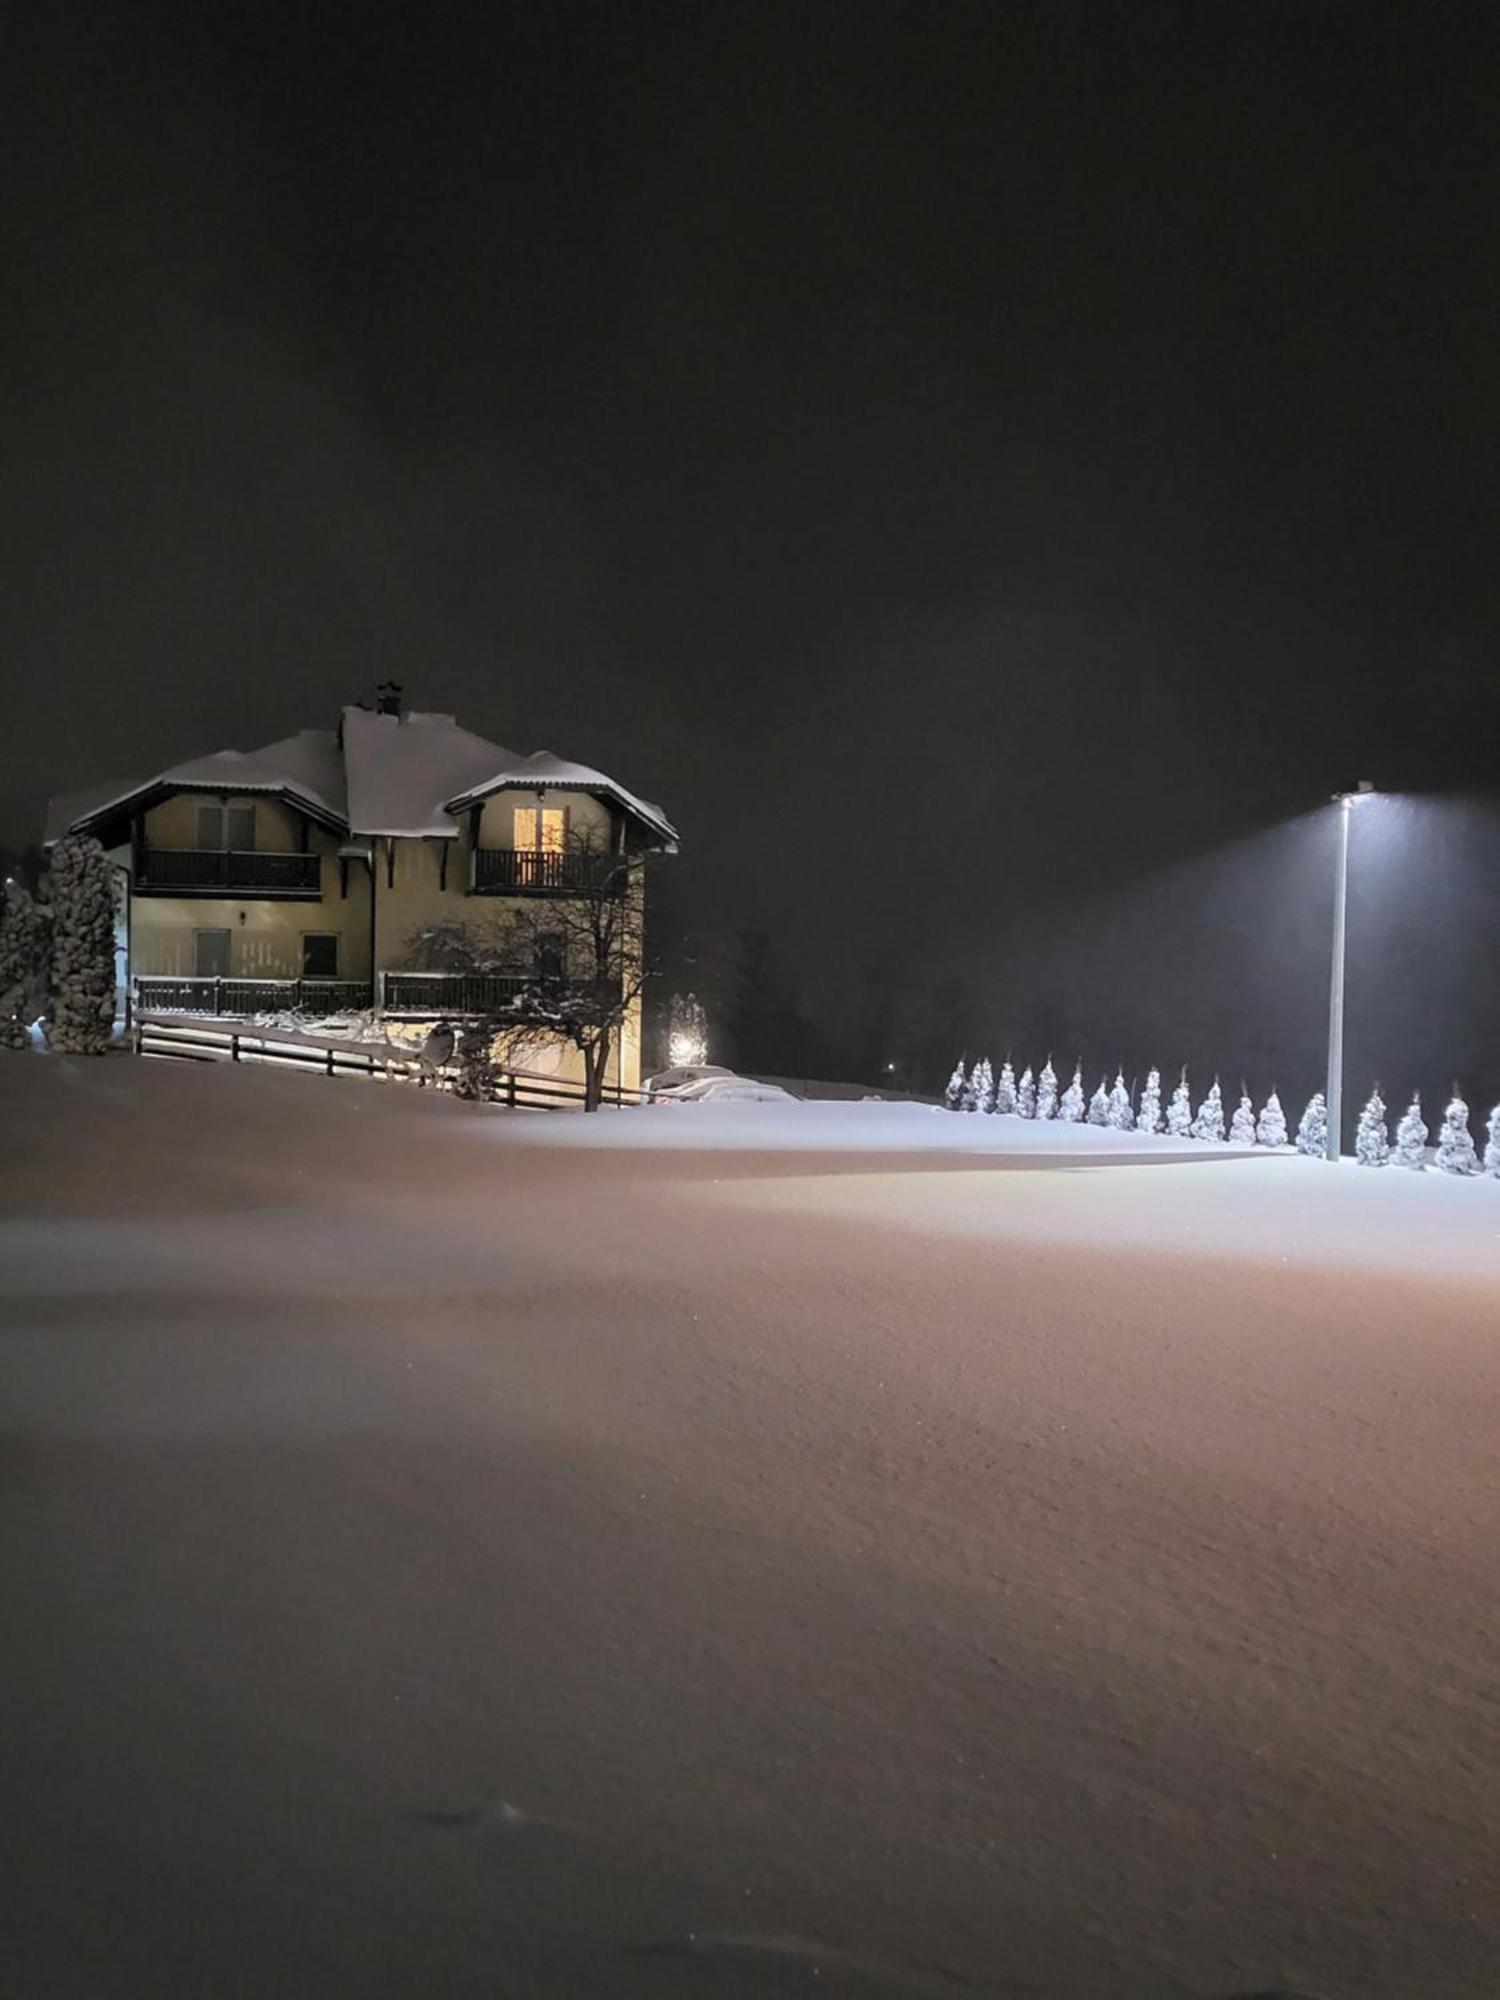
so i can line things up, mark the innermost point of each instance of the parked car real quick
(729, 1089)
(669, 1082)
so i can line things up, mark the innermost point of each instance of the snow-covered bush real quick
(1312, 1133)
(1148, 1118)
(1372, 1145)
(1120, 1115)
(1070, 1106)
(1411, 1137)
(958, 1083)
(1046, 1091)
(1209, 1123)
(24, 957)
(474, 1061)
(1492, 1150)
(1180, 1111)
(83, 947)
(1099, 1103)
(1455, 1147)
(1270, 1127)
(1242, 1125)
(687, 1032)
(1026, 1094)
(1005, 1090)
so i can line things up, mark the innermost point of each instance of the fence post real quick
(218, 994)
(330, 1062)
(234, 1046)
(510, 1089)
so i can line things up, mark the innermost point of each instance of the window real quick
(211, 954)
(551, 957)
(320, 955)
(541, 829)
(227, 826)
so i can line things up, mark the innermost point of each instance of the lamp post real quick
(1346, 802)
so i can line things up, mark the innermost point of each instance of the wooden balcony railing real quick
(520, 871)
(236, 997)
(450, 992)
(205, 871)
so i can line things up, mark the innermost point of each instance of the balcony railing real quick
(451, 992)
(234, 997)
(208, 871)
(520, 871)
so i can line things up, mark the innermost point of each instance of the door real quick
(211, 954)
(320, 955)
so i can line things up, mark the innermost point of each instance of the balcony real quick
(451, 992)
(542, 871)
(223, 871)
(240, 997)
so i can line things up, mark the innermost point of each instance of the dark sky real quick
(959, 459)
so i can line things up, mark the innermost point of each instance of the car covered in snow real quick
(671, 1082)
(730, 1089)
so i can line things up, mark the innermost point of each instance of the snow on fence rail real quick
(202, 1042)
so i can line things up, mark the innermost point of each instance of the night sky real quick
(964, 461)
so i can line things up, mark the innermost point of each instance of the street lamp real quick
(1346, 802)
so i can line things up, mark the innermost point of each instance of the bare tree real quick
(576, 955)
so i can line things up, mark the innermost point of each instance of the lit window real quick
(540, 829)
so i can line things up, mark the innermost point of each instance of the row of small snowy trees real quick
(57, 957)
(979, 1089)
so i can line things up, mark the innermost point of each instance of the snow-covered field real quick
(842, 1549)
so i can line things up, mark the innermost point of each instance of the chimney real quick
(388, 698)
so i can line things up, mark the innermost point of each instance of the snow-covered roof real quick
(541, 768)
(306, 767)
(401, 775)
(402, 769)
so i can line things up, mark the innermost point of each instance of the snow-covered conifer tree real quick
(1312, 1133)
(1073, 1103)
(1209, 1123)
(1005, 1090)
(1046, 1091)
(1372, 1144)
(83, 947)
(1026, 1094)
(1411, 1137)
(1455, 1147)
(25, 928)
(1099, 1103)
(958, 1083)
(1492, 1150)
(981, 1092)
(1270, 1127)
(1242, 1125)
(1148, 1118)
(1180, 1111)
(1121, 1117)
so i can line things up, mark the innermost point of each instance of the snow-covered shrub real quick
(1312, 1133)
(958, 1083)
(687, 1032)
(1209, 1123)
(1120, 1115)
(1411, 1137)
(1099, 1103)
(1026, 1094)
(1455, 1147)
(1005, 1090)
(474, 1061)
(1070, 1106)
(1270, 1127)
(1148, 1118)
(83, 947)
(24, 957)
(1046, 1091)
(1492, 1150)
(1180, 1111)
(1372, 1145)
(1242, 1125)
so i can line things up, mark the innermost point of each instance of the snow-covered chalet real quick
(296, 876)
